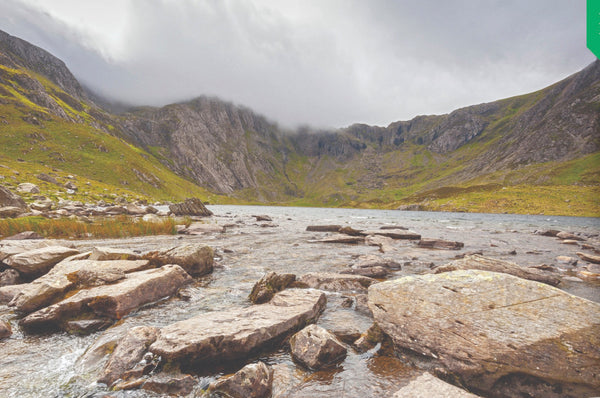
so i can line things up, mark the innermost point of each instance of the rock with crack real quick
(252, 381)
(335, 282)
(495, 331)
(111, 301)
(490, 264)
(39, 261)
(190, 207)
(238, 332)
(268, 285)
(315, 347)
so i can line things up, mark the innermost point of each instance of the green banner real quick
(593, 26)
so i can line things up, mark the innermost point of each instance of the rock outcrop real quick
(494, 331)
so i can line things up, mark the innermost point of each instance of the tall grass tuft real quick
(105, 227)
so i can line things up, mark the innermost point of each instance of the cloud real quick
(325, 63)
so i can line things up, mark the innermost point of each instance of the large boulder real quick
(335, 282)
(252, 381)
(495, 332)
(39, 261)
(268, 285)
(112, 301)
(237, 332)
(196, 260)
(489, 264)
(191, 207)
(315, 347)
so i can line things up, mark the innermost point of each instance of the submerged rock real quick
(268, 285)
(237, 332)
(252, 381)
(315, 347)
(428, 385)
(489, 264)
(495, 330)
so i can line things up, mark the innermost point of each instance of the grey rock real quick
(28, 187)
(39, 261)
(252, 381)
(315, 347)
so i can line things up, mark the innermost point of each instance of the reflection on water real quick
(50, 366)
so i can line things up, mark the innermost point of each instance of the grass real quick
(99, 228)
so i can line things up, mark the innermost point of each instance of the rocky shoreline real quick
(488, 326)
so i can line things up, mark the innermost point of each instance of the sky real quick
(323, 63)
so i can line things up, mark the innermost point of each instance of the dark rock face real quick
(191, 207)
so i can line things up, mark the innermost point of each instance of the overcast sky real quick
(326, 63)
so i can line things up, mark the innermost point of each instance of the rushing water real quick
(54, 365)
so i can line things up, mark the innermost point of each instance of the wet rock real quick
(112, 301)
(335, 282)
(368, 340)
(178, 384)
(549, 232)
(340, 239)
(570, 242)
(87, 326)
(268, 285)
(5, 330)
(569, 236)
(109, 253)
(9, 277)
(428, 385)
(394, 234)
(10, 199)
(362, 305)
(25, 236)
(323, 228)
(195, 259)
(191, 207)
(39, 261)
(315, 347)
(440, 244)
(115, 210)
(477, 262)
(385, 244)
(252, 381)
(128, 353)
(263, 218)
(8, 293)
(374, 267)
(351, 231)
(66, 275)
(590, 258)
(566, 260)
(236, 332)
(199, 228)
(491, 328)
(28, 187)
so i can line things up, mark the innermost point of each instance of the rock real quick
(263, 218)
(25, 236)
(100, 253)
(87, 326)
(11, 211)
(237, 332)
(351, 231)
(335, 282)
(28, 187)
(135, 210)
(573, 242)
(268, 285)
(340, 239)
(115, 210)
(323, 228)
(112, 301)
(427, 385)
(39, 261)
(492, 329)
(10, 248)
(549, 232)
(374, 267)
(371, 272)
(394, 233)
(489, 264)
(196, 260)
(5, 330)
(440, 244)
(9, 199)
(172, 384)
(9, 277)
(151, 217)
(191, 207)
(315, 347)
(47, 178)
(8, 293)
(70, 186)
(590, 258)
(199, 228)
(252, 381)
(42, 206)
(129, 352)
(411, 207)
(66, 275)
(569, 236)
(385, 244)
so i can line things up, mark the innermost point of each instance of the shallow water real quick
(51, 366)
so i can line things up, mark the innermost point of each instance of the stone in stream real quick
(238, 332)
(177, 384)
(440, 244)
(490, 264)
(569, 236)
(394, 234)
(340, 238)
(323, 228)
(385, 244)
(39, 261)
(254, 380)
(5, 329)
(590, 258)
(495, 332)
(66, 275)
(373, 266)
(263, 217)
(428, 385)
(112, 301)
(196, 260)
(335, 282)
(268, 285)
(315, 347)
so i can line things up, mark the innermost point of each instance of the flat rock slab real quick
(507, 267)
(109, 253)
(428, 385)
(113, 301)
(493, 330)
(394, 233)
(39, 261)
(235, 333)
(11, 247)
(590, 258)
(440, 244)
(340, 238)
(335, 282)
(323, 228)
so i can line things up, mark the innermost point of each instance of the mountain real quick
(532, 153)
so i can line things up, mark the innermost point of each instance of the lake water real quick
(52, 365)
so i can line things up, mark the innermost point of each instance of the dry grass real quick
(105, 227)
